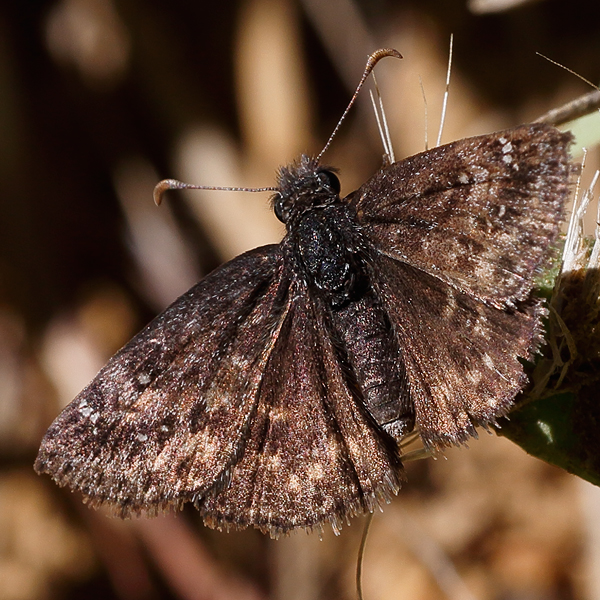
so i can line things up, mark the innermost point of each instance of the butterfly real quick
(276, 391)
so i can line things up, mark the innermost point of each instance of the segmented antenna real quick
(173, 184)
(371, 62)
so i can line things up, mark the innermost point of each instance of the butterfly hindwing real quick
(313, 453)
(461, 355)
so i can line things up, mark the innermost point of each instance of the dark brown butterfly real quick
(274, 393)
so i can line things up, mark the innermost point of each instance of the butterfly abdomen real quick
(376, 363)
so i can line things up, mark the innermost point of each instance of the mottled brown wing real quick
(314, 454)
(478, 214)
(461, 355)
(168, 416)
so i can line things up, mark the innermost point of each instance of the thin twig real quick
(580, 107)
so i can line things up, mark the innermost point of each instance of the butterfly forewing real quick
(479, 213)
(167, 417)
(458, 233)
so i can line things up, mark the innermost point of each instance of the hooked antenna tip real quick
(382, 53)
(371, 62)
(162, 186)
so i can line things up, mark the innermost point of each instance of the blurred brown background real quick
(99, 99)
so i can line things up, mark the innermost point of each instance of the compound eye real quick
(279, 208)
(332, 181)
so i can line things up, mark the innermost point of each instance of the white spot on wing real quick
(144, 378)
(488, 361)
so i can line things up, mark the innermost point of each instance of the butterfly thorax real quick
(327, 247)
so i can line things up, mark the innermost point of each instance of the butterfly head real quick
(303, 185)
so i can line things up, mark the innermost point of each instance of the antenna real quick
(173, 184)
(371, 62)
